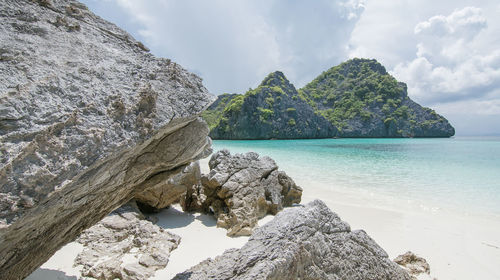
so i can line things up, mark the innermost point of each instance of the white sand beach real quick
(456, 247)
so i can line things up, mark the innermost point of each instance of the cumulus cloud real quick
(449, 66)
(233, 45)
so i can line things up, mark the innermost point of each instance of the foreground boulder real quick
(126, 246)
(87, 118)
(303, 242)
(240, 189)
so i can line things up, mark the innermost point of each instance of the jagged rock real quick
(125, 235)
(87, 118)
(412, 263)
(303, 242)
(164, 192)
(240, 189)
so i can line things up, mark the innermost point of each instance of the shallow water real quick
(458, 174)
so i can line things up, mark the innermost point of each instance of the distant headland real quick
(357, 98)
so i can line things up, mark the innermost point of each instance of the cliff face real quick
(272, 110)
(87, 118)
(363, 100)
(357, 98)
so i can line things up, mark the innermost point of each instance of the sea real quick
(458, 174)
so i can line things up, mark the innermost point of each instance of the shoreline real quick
(455, 246)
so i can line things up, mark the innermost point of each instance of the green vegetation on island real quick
(266, 112)
(357, 98)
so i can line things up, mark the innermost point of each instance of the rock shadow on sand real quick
(171, 218)
(207, 220)
(49, 274)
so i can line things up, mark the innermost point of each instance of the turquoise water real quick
(461, 173)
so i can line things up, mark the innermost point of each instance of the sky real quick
(448, 51)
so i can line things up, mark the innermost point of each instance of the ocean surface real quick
(456, 174)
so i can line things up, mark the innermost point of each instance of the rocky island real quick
(357, 98)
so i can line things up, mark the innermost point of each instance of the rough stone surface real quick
(79, 99)
(162, 193)
(303, 242)
(240, 189)
(412, 263)
(125, 246)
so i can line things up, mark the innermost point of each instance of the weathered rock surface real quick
(162, 192)
(303, 242)
(125, 246)
(240, 189)
(87, 118)
(414, 264)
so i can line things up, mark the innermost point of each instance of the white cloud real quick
(233, 45)
(448, 54)
(449, 66)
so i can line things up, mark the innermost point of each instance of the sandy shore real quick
(456, 246)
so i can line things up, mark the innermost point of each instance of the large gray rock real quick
(165, 191)
(240, 189)
(303, 242)
(125, 245)
(87, 118)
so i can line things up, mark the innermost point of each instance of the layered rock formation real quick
(166, 190)
(88, 119)
(240, 189)
(303, 242)
(357, 98)
(272, 110)
(126, 246)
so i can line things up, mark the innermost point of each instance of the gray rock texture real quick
(240, 189)
(124, 246)
(303, 242)
(162, 192)
(87, 118)
(414, 264)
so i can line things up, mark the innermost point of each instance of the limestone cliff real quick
(357, 98)
(87, 118)
(272, 110)
(361, 99)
